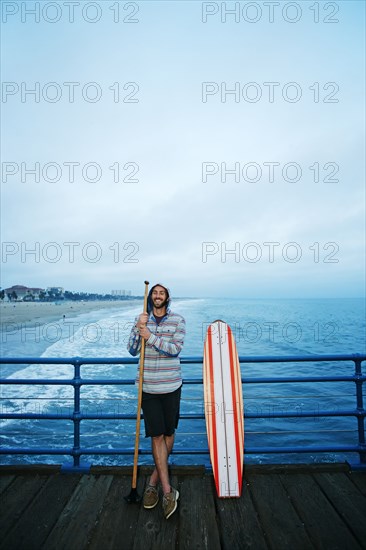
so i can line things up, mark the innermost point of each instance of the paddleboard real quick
(223, 401)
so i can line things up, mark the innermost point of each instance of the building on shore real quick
(118, 293)
(22, 293)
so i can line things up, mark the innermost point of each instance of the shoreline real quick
(18, 315)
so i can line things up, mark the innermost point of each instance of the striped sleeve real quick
(134, 341)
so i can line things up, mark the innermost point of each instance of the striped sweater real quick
(162, 371)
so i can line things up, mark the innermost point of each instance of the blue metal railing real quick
(77, 414)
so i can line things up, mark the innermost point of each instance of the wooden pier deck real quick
(282, 507)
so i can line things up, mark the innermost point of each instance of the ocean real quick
(275, 327)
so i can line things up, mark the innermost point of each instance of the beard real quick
(160, 304)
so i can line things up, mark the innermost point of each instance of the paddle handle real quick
(139, 398)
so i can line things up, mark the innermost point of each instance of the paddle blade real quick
(133, 497)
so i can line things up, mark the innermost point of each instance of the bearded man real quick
(163, 332)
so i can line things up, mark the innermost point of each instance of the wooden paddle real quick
(134, 496)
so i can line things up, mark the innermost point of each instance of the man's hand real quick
(145, 333)
(141, 325)
(143, 319)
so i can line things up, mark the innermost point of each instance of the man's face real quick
(159, 296)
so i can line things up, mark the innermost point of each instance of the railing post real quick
(76, 418)
(76, 413)
(360, 409)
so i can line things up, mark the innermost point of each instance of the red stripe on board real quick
(213, 421)
(235, 405)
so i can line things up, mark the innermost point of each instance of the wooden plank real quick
(33, 527)
(347, 500)
(118, 519)
(29, 469)
(295, 468)
(324, 526)
(281, 524)
(359, 479)
(5, 481)
(239, 523)
(16, 498)
(146, 470)
(78, 518)
(198, 526)
(153, 531)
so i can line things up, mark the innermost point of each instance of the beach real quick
(28, 314)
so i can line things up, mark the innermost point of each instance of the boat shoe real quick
(170, 502)
(151, 497)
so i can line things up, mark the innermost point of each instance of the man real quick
(163, 332)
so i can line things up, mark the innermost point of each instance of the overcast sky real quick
(219, 153)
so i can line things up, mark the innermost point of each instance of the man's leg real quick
(161, 448)
(170, 404)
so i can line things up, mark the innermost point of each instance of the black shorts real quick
(161, 412)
